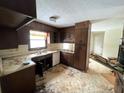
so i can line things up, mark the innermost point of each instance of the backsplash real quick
(61, 46)
(23, 49)
(68, 46)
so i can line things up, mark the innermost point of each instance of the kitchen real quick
(18, 52)
(14, 59)
(36, 55)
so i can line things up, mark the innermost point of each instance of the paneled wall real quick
(10, 38)
(23, 34)
(112, 41)
(27, 7)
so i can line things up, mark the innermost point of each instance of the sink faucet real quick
(41, 51)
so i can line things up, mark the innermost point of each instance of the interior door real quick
(98, 43)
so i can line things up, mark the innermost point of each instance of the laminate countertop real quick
(14, 64)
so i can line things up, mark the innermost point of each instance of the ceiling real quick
(102, 13)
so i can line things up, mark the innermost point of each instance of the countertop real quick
(15, 68)
(14, 64)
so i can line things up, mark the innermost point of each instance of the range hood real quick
(12, 19)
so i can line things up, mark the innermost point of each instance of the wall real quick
(92, 43)
(23, 40)
(23, 49)
(111, 42)
(98, 42)
(23, 34)
(8, 38)
(16, 42)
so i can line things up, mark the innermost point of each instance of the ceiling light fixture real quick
(53, 18)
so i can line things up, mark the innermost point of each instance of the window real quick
(38, 39)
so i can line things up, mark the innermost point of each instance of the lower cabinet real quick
(67, 58)
(0, 89)
(19, 82)
(43, 63)
(119, 84)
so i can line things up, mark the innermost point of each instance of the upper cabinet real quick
(82, 45)
(27, 7)
(81, 36)
(54, 37)
(8, 38)
(67, 35)
(82, 32)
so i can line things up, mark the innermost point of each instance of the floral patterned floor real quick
(64, 79)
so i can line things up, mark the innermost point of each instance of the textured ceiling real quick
(100, 12)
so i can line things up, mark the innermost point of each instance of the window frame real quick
(38, 48)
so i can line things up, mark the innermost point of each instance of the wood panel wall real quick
(10, 38)
(23, 34)
(27, 7)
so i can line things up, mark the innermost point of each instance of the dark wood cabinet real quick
(119, 84)
(54, 37)
(67, 58)
(81, 36)
(23, 35)
(19, 82)
(82, 43)
(80, 57)
(38, 26)
(67, 35)
(27, 7)
(43, 63)
(8, 38)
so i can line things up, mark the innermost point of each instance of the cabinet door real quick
(62, 36)
(81, 36)
(8, 38)
(54, 37)
(67, 58)
(19, 82)
(80, 57)
(70, 59)
(67, 35)
(63, 58)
